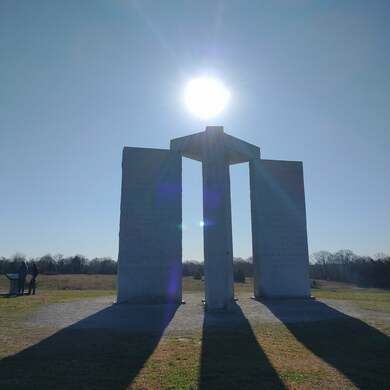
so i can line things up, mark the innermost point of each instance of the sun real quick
(206, 97)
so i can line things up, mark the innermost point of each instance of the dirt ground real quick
(104, 313)
(65, 337)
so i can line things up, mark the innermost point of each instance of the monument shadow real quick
(231, 357)
(94, 353)
(359, 351)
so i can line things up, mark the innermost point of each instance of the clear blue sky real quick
(310, 81)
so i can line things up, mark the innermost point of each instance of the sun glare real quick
(206, 97)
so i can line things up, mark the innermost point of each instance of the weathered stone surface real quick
(150, 241)
(214, 148)
(150, 251)
(279, 237)
(217, 229)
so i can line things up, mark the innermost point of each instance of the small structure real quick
(13, 283)
(150, 238)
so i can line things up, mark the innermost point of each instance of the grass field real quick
(332, 354)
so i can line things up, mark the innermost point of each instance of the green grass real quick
(364, 298)
(327, 354)
(14, 310)
(375, 295)
(192, 285)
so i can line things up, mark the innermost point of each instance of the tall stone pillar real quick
(150, 246)
(216, 150)
(218, 246)
(279, 237)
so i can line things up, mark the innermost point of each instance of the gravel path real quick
(104, 313)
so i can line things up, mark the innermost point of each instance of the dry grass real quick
(338, 354)
(268, 356)
(70, 282)
(107, 282)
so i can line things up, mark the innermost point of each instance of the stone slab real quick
(217, 229)
(195, 145)
(279, 236)
(150, 237)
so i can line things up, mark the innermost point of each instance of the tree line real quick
(346, 266)
(242, 268)
(341, 266)
(79, 264)
(58, 264)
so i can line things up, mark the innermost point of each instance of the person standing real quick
(34, 274)
(22, 277)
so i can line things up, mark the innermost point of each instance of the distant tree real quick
(244, 266)
(343, 265)
(321, 257)
(5, 265)
(18, 257)
(58, 257)
(46, 264)
(78, 263)
(343, 256)
(192, 267)
(346, 266)
(108, 266)
(239, 276)
(198, 275)
(380, 256)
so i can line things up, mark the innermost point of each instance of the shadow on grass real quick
(357, 350)
(94, 353)
(231, 358)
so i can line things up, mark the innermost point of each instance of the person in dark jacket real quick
(22, 277)
(34, 274)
